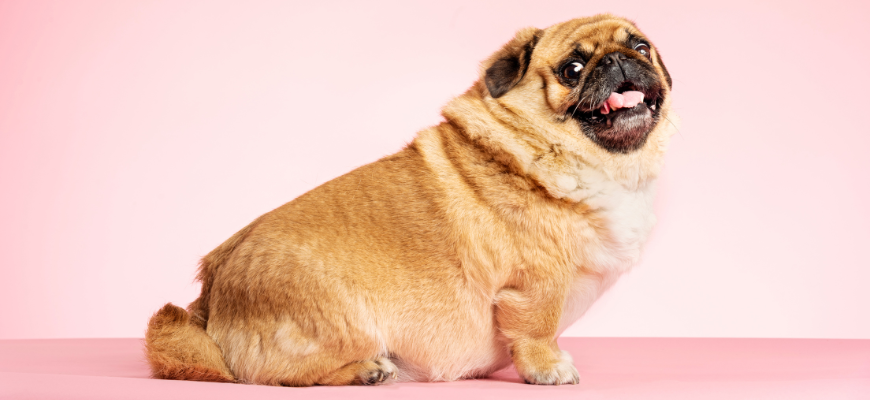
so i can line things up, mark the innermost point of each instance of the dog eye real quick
(643, 49)
(571, 71)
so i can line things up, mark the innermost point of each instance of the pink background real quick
(137, 136)
(610, 369)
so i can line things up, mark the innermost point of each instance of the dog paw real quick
(378, 371)
(562, 372)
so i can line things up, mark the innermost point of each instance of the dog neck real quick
(569, 166)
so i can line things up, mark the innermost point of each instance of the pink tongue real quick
(622, 100)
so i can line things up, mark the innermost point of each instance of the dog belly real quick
(454, 365)
(456, 345)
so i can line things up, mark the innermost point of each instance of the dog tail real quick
(176, 343)
(178, 349)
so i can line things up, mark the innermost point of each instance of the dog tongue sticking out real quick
(621, 100)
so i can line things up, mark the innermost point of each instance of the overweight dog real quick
(473, 247)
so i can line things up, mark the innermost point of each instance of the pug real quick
(473, 247)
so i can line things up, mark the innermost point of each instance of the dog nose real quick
(613, 58)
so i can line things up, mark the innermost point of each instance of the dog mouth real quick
(619, 120)
(626, 100)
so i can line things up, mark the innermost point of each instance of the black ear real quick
(508, 65)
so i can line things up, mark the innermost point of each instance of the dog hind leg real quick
(370, 372)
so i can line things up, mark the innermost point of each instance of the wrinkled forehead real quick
(588, 35)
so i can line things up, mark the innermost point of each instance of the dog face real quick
(599, 77)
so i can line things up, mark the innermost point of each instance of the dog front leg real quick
(529, 320)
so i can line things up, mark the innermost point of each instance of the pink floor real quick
(610, 368)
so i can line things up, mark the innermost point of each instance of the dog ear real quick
(506, 67)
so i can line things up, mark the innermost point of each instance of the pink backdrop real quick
(136, 136)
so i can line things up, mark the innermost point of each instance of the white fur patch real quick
(567, 183)
(629, 219)
(292, 344)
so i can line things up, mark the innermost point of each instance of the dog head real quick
(601, 74)
(558, 104)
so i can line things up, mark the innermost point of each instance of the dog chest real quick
(626, 215)
(628, 219)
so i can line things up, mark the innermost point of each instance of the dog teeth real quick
(652, 107)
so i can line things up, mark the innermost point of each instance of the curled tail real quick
(178, 349)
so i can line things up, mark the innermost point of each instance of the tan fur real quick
(176, 349)
(451, 258)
